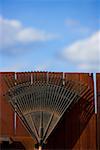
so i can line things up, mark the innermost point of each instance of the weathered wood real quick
(98, 109)
(77, 128)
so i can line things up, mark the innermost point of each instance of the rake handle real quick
(40, 147)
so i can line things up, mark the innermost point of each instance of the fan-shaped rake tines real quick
(40, 105)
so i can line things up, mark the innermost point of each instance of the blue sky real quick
(50, 35)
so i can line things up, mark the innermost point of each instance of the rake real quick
(41, 103)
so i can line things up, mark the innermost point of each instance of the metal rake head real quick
(41, 104)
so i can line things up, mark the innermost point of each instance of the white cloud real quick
(13, 32)
(30, 35)
(13, 67)
(74, 26)
(85, 53)
(71, 22)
